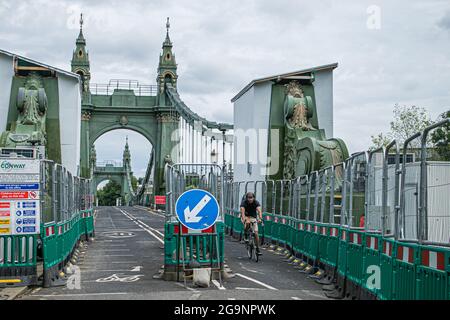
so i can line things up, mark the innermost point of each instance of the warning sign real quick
(4, 205)
(19, 196)
(14, 195)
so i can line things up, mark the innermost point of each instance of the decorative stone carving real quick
(29, 129)
(297, 117)
(167, 117)
(123, 120)
(168, 159)
(93, 157)
(86, 116)
(306, 148)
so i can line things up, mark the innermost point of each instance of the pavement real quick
(127, 252)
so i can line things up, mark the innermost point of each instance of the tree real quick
(108, 194)
(134, 182)
(407, 121)
(441, 138)
(379, 140)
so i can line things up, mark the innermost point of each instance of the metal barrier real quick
(185, 250)
(66, 216)
(378, 224)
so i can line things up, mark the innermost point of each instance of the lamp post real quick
(214, 156)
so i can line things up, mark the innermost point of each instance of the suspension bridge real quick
(369, 225)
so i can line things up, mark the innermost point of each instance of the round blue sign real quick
(197, 209)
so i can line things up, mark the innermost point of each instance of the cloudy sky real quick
(388, 52)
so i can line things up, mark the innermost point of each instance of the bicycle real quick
(251, 244)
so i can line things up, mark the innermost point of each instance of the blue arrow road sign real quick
(197, 209)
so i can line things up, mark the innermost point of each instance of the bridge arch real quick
(101, 130)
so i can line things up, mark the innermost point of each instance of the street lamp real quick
(214, 155)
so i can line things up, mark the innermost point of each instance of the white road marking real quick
(296, 298)
(140, 224)
(240, 288)
(80, 294)
(256, 281)
(150, 211)
(195, 296)
(249, 270)
(217, 284)
(188, 288)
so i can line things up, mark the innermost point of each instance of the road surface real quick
(128, 252)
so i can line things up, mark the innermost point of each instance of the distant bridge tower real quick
(167, 68)
(80, 62)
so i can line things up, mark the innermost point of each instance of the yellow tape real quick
(11, 281)
(4, 231)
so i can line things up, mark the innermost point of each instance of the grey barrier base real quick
(170, 274)
(19, 276)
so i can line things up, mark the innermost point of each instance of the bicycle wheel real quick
(250, 248)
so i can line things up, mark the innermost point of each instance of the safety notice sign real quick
(19, 197)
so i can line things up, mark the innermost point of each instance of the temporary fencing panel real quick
(186, 249)
(60, 198)
(387, 256)
(433, 273)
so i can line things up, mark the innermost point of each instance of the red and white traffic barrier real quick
(49, 231)
(355, 238)
(185, 230)
(334, 232)
(387, 248)
(372, 243)
(405, 254)
(433, 259)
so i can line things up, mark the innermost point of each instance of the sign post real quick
(19, 196)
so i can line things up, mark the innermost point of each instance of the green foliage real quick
(441, 138)
(134, 182)
(108, 194)
(379, 140)
(407, 121)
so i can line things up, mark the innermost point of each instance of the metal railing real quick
(123, 84)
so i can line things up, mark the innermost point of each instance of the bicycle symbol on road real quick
(116, 278)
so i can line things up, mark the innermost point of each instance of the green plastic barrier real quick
(331, 258)
(283, 228)
(276, 230)
(342, 254)
(238, 227)
(323, 243)
(291, 233)
(200, 246)
(50, 240)
(387, 254)
(404, 275)
(433, 273)
(313, 246)
(301, 234)
(18, 259)
(371, 259)
(268, 221)
(309, 229)
(355, 256)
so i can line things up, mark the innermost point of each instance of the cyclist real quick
(251, 212)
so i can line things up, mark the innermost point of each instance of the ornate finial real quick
(167, 25)
(126, 140)
(81, 21)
